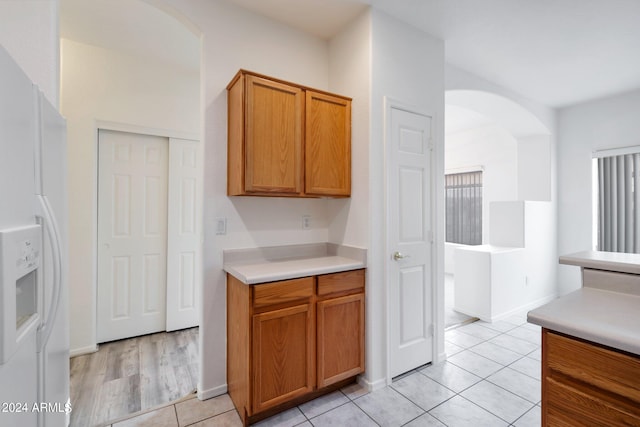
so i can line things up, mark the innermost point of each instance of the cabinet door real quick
(327, 145)
(340, 338)
(283, 355)
(273, 128)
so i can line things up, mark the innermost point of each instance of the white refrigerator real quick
(34, 323)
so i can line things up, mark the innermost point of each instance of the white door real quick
(132, 234)
(184, 255)
(409, 236)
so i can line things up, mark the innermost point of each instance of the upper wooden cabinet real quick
(327, 145)
(287, 140)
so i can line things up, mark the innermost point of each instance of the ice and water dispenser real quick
(20, 261)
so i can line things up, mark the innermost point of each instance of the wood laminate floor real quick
(131, 375)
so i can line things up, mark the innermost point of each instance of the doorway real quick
(148, 250)
(494, 134)
(410, 275)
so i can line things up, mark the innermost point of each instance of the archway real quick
(510, 150)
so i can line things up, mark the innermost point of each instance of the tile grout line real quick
(419, 371)
(534, 404)
(484, 378)
(208, 418)
(365, 412)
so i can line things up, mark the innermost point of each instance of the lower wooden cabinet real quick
(283, 355)
(586, 384)
(340, 338)
(292, 340)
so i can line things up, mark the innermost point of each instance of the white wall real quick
(102, 84)
(235, 38)
(415, 75)
(601, 124)
(407, 66)
(29, 32)
(519, 278)
(459, 79)
(534, 168)
(349, 74)
(496, 151)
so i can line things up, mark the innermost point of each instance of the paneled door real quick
(409, 237)
(132, 234)
(184, 260)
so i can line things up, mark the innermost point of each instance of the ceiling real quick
(141, 29)
(556, 52)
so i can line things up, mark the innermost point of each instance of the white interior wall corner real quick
(400, 73)
(29, 31)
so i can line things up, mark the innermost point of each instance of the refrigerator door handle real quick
(53, 233)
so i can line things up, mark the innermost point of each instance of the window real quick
(618, 226)
(463, 204)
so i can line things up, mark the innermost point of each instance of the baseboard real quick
(526, 307)
(372, 386)
(83, 350)
(212, 392)
(441, 357)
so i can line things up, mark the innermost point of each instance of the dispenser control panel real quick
(20, 261)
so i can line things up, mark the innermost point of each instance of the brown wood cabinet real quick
(292, 340)
(586, 384)
(286, 139)
(283, 355)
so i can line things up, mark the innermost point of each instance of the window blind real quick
(619, 203)
(463, 205)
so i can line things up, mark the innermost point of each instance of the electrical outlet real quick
(221, 226)
(306, 222)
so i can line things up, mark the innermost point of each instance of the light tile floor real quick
(491, 378)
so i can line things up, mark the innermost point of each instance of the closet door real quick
(132, 234)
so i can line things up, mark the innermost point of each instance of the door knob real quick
(398, 256)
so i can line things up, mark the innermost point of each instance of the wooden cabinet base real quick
(293, 340)
(248, 420)
(586, 384)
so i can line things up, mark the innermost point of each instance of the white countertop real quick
(269, 271)
(611, 261)
(604, 317)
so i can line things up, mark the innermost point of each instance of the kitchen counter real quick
(604, 317)
(262, 265)
(610, 261)
(606, 310)
(270, 271)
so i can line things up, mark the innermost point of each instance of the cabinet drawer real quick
(568, 406)
(595, 366)
(340, 282)
(282, 292)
